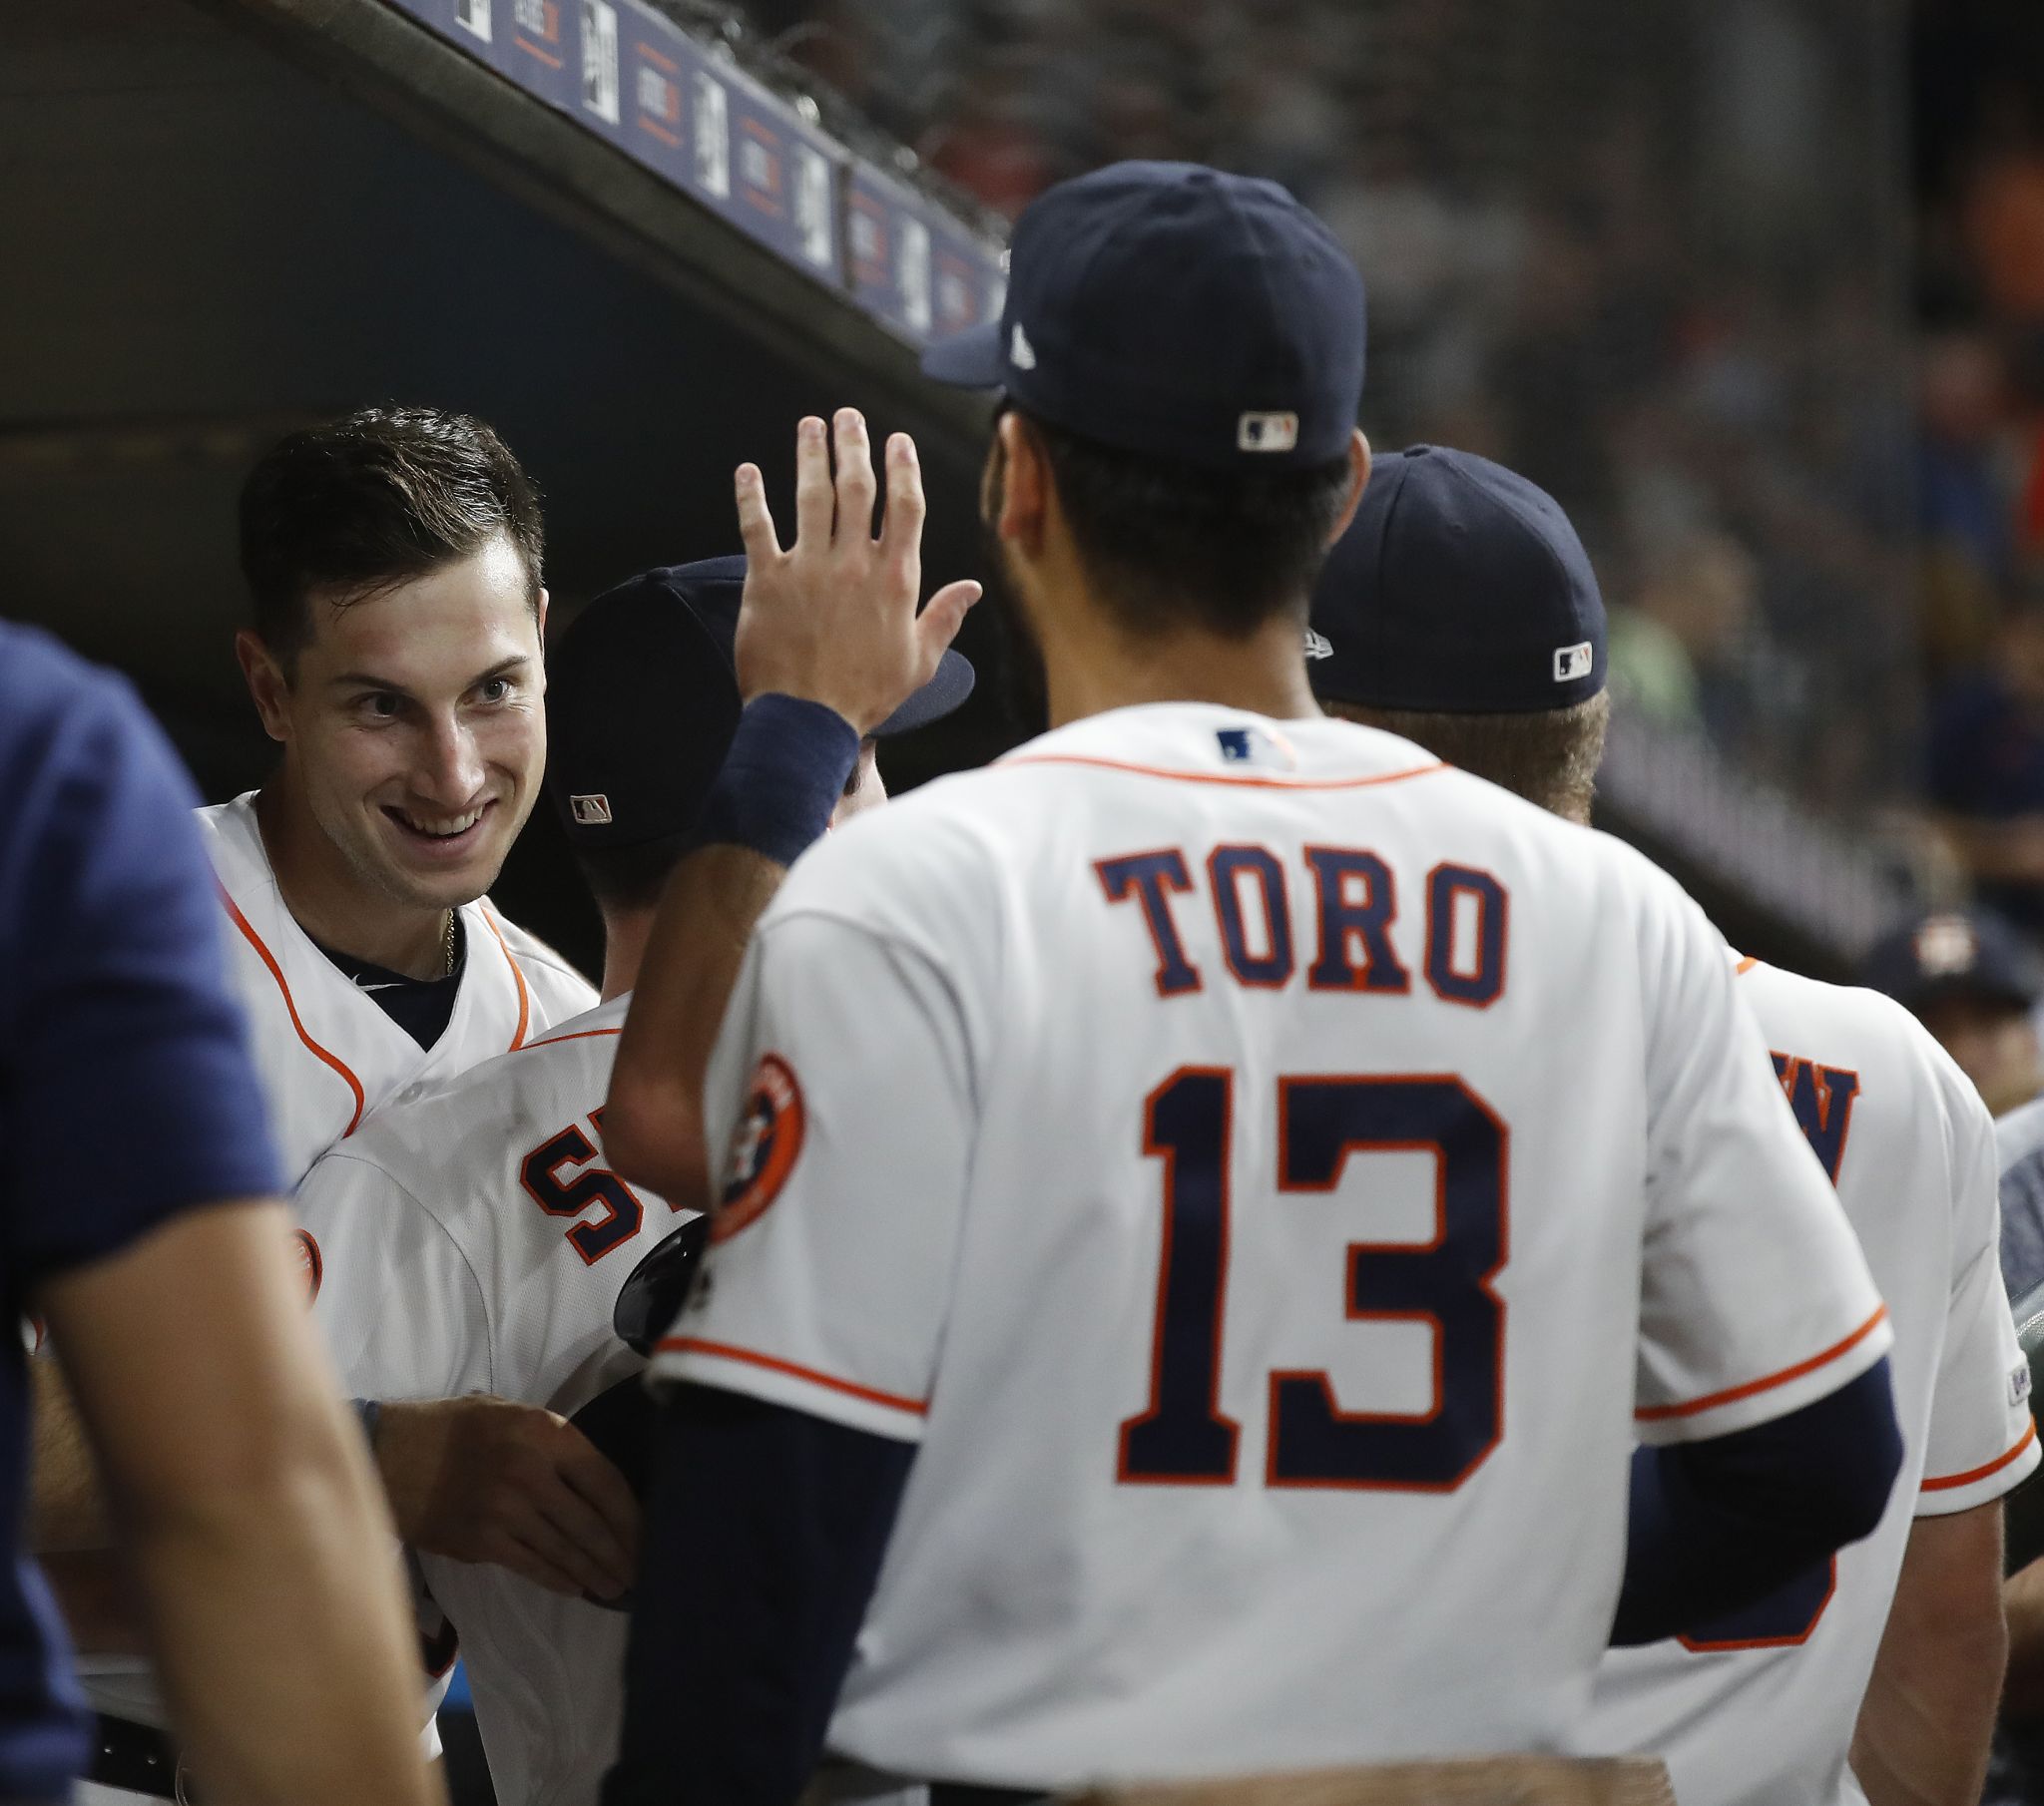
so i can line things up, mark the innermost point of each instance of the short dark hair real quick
(1549, 758)
(1168, 541)
(631, 877)
(374, 499)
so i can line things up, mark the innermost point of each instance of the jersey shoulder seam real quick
(439, 1222)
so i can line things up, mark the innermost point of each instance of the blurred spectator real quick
(1969, 978)
(1963, 510)
(1986, 766)
(2003, 221)
(1675, 650)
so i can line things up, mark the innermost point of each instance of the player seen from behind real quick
(1461, 612)
(142, 1222)
(474, 1239)
(1204, 1198)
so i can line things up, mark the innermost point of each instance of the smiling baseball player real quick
(395, 657)
(475, 1238)
(1461, 612)
(393, 556)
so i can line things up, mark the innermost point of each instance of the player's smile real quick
(439, 837)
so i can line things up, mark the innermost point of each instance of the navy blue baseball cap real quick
(1175, 311)
(1953, 953)
(1459, 589)
(643, 700)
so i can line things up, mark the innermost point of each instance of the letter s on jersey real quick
(763, 1148)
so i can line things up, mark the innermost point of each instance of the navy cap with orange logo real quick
(643, 700)
(1953, 953)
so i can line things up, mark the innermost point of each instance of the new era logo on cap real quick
(590, 811)
(1318, 646)
(1267, 432)
(1021, 353)
(1571, 661)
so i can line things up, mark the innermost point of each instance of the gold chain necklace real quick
(448, 947)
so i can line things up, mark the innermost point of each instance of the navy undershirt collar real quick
(421, 1006)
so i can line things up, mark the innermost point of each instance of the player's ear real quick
(1358, 477)
(1024, 500)
(269, 684)
(539, 615)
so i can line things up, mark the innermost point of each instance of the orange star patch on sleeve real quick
(768, 1141)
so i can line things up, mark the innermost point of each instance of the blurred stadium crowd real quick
(1662, 260)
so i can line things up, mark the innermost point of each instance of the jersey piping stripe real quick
(518, 978)
(1746, 965)
(725, 1351)
(1732, 1395)
(1216, 777)
(1945, 1481)
(554, 1040)
(262, 953)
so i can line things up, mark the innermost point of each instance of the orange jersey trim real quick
(517, 977)
(1746, 965)
(262, 953)
(1215, 777)
(554, 1040)
(774, 1364)
(1945, 1481)
(1733, 1394)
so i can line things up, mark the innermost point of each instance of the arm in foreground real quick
(765, 1536)
(1928, 1715)
(1714, 1525)
(829, 636)
(241, 1489)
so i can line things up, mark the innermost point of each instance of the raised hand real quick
(833, 618)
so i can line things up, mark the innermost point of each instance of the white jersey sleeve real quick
(1755, 1297)
(375, 1245)
(835, 1307)
(1981, 1438)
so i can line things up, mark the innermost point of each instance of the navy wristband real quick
(785, 772)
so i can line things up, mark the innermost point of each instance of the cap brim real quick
(936, 699)
(968, 361)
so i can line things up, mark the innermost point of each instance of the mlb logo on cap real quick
(590, 812)
(1266, 433)
(1573, 661)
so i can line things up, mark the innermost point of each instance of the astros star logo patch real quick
(763, 1148)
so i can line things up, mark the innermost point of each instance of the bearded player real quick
(1461, 612)
(475, 1238)
(1208, 1197)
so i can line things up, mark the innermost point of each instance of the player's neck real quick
(624, 947)
(1091, 665)
(332, 905)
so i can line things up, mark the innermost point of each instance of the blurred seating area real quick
(1980, 147)
(1776, 345)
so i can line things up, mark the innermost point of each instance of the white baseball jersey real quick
(1242, 1156)
(473, 1240)
(328, 1055)
(1760, 1709)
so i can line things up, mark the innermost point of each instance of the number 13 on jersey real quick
(1185, 1438)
